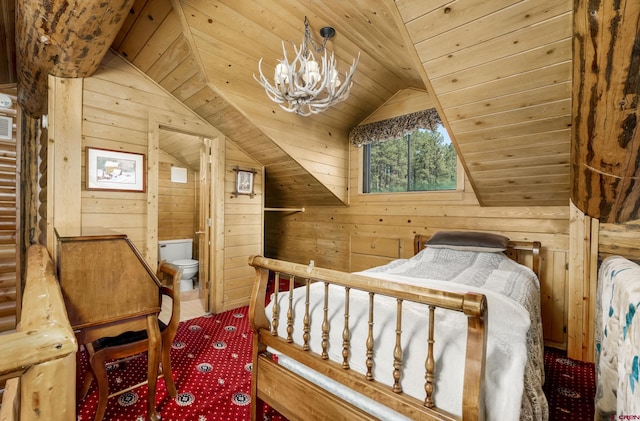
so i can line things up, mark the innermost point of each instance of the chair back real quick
(169, 275)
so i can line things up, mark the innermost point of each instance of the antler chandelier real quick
(302, 86)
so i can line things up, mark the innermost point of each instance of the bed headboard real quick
(513, 250)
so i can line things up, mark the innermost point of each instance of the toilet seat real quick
(185, 262)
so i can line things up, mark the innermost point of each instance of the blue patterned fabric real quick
(617, 339)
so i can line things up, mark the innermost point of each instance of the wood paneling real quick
(118, 103)
(580, 301)
(367, 252)
(497, 84)
(216, 80)
(501, 73)
(177, 216)
(620, 240)
(402, 102)
(243, 228)
(64, 157)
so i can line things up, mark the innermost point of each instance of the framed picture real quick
(115, 170)
(244, 181)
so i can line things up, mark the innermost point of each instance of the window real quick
(423, 160)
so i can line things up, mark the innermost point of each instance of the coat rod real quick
(284, 209)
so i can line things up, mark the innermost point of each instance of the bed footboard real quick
(295, 397)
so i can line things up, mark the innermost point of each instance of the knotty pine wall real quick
(620, 239)
(116, 104)
(117, 108)
(374, 229)
(243, 228)
(177, 210)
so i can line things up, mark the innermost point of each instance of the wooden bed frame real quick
(297, 398)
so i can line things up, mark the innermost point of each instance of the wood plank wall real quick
(339, 237)
(117, 102)
(243, 227)
(177, 215)
(620, 239)
(112, 119)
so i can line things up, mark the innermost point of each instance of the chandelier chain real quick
(309, 39)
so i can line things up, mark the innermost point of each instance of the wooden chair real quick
(132, 343)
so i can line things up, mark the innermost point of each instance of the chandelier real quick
(303, 86)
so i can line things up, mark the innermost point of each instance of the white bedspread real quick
(514, 345)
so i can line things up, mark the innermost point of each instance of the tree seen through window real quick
(423, 160)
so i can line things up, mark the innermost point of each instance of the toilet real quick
(178, 252)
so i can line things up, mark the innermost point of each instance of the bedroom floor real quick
(569, 386)
(190, 306)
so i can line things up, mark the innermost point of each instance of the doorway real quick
(185, 208)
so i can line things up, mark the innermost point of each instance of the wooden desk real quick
(109, 289)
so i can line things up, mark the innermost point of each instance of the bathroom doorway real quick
(188, 155)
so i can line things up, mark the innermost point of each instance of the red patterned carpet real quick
(212, 369)
(211, 359)
(569, 386)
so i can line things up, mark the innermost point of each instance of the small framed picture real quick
(244, 181)
(115, 170)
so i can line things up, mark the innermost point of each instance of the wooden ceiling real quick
(499, 72)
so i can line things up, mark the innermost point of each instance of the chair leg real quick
(167, 373)
(154, 341)
(86, 379)
(97, 362)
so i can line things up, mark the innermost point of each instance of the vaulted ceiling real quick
(499, 72)
(206, 53)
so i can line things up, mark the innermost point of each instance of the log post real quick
(606, 91)
(63, 38)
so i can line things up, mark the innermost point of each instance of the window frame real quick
(460, 179)
(435, 195)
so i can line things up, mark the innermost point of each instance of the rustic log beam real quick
(63, 38)
(606, 94)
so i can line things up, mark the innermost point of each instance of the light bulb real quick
(311, 73)
(282, 73)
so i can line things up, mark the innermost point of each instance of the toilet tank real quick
(172, 250)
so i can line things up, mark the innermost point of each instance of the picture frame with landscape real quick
(115, 170)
